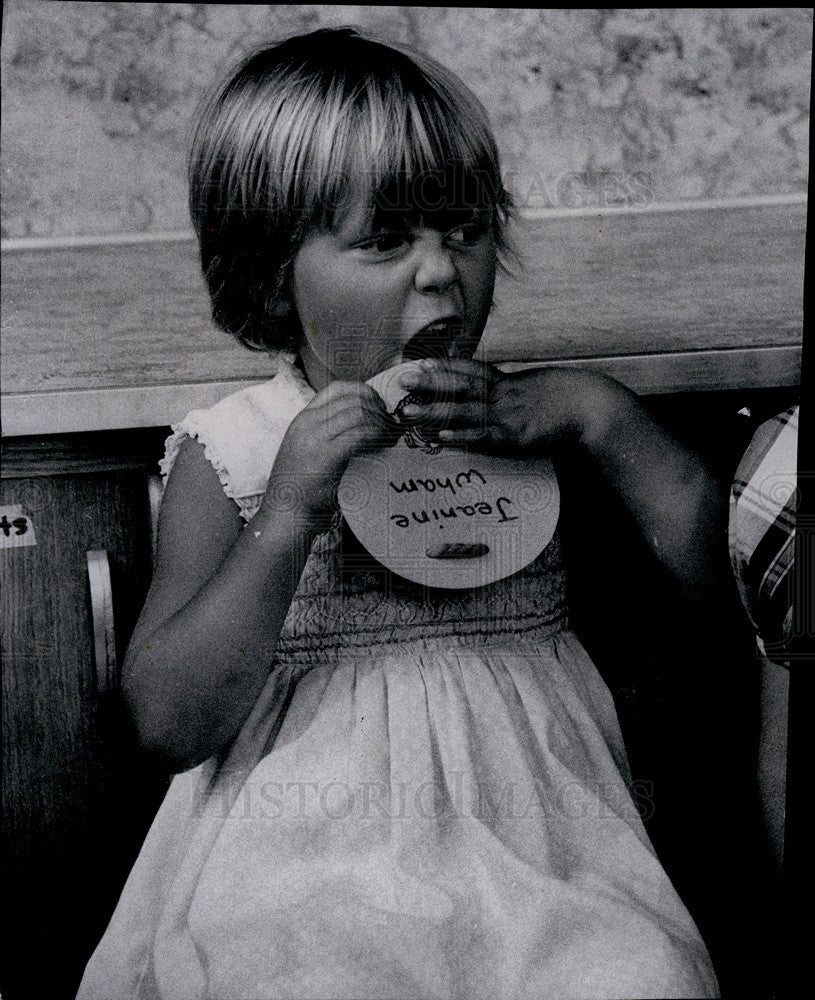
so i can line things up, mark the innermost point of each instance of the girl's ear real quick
(282, 295)
(285, 319)
(282, 309)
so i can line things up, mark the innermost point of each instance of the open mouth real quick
(443, 338)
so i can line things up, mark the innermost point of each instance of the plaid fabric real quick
(762, 530)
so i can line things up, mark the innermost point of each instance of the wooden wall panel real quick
(74, 809)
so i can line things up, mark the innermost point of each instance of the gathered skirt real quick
(424, 822)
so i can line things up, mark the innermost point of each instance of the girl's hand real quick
(471, 403)
(677, 503)
(346, 418)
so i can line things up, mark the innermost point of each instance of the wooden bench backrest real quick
(112, 333)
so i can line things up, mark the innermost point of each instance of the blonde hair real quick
(299, 128)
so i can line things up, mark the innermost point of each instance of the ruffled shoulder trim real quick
(242, 433)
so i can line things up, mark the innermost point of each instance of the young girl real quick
(383, 790)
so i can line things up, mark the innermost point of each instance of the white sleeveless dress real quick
(430, 799)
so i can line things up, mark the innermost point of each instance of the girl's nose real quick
(435, 269)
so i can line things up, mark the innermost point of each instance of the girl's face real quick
(370, 296)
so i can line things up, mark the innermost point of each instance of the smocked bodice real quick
(346, 600)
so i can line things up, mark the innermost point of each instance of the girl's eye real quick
(385, 242)
(466, 235)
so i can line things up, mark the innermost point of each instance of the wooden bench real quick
(114, 334)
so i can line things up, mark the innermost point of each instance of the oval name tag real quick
(447, 517)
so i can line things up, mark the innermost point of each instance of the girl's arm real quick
(676, 502)
(679, 506)
(204, 645)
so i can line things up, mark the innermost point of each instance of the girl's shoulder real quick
(241, 434)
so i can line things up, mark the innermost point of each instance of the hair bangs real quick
(402, 141)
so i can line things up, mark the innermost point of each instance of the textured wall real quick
(589, 106)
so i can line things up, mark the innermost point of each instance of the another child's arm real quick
(679, 507)
(203, 647)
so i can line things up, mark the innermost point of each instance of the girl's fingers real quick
(363, 437)
(460, 415)
(339, 416)
(464, 435)
(339, 395)
(456, 376)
